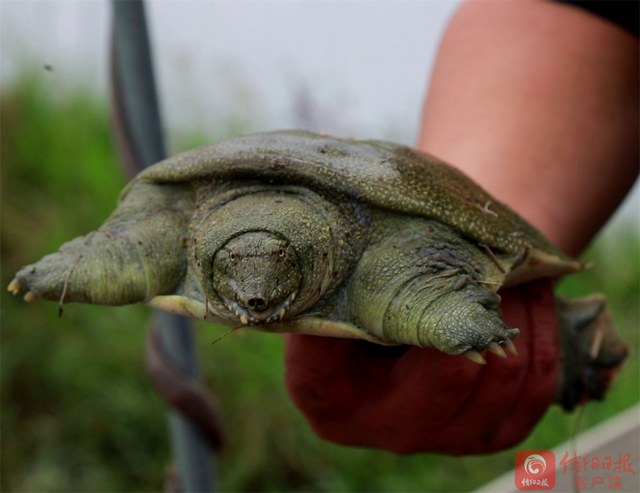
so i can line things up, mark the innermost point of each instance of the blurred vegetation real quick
(78, 412)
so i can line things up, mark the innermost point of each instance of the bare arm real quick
(538, 102)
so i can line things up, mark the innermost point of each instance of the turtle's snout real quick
(257, 304)
(257, 277)
(257, 310)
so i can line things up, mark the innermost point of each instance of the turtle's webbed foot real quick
(15, 288)
(47, 278)
(467, 322)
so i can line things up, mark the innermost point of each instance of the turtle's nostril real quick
(257, 304)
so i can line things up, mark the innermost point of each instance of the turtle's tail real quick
(592, 351)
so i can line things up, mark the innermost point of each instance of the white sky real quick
(364, 66)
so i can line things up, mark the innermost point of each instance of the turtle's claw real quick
(508, 343)
(14, 287)
(29, 297)
(474, 356)
(496, 349)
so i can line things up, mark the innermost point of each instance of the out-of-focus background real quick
(78, 412)
(349, 68)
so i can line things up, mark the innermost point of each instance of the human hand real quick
(523, 131)
(409, 399)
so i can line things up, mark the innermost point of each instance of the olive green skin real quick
(379, 242)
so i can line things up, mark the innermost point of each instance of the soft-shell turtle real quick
(296, 232)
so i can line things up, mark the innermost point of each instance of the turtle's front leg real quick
(429, 287)
(138, 253)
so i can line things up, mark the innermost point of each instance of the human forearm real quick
(538, 102)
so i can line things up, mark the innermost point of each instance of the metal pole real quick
(140, 114)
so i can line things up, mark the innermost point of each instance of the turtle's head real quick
(257, 275)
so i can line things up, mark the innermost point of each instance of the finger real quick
(428, 382)
(424, 389)
(331, 379)
(540, 385)
(403, 412)
(496, 391)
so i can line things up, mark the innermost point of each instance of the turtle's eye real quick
(281, 252)
(232, 256)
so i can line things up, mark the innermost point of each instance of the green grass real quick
(78, 412)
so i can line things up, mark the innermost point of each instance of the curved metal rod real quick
(141, 144)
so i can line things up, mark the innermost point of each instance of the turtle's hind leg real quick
(592, 351)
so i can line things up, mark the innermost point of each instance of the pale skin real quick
(538, 102)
